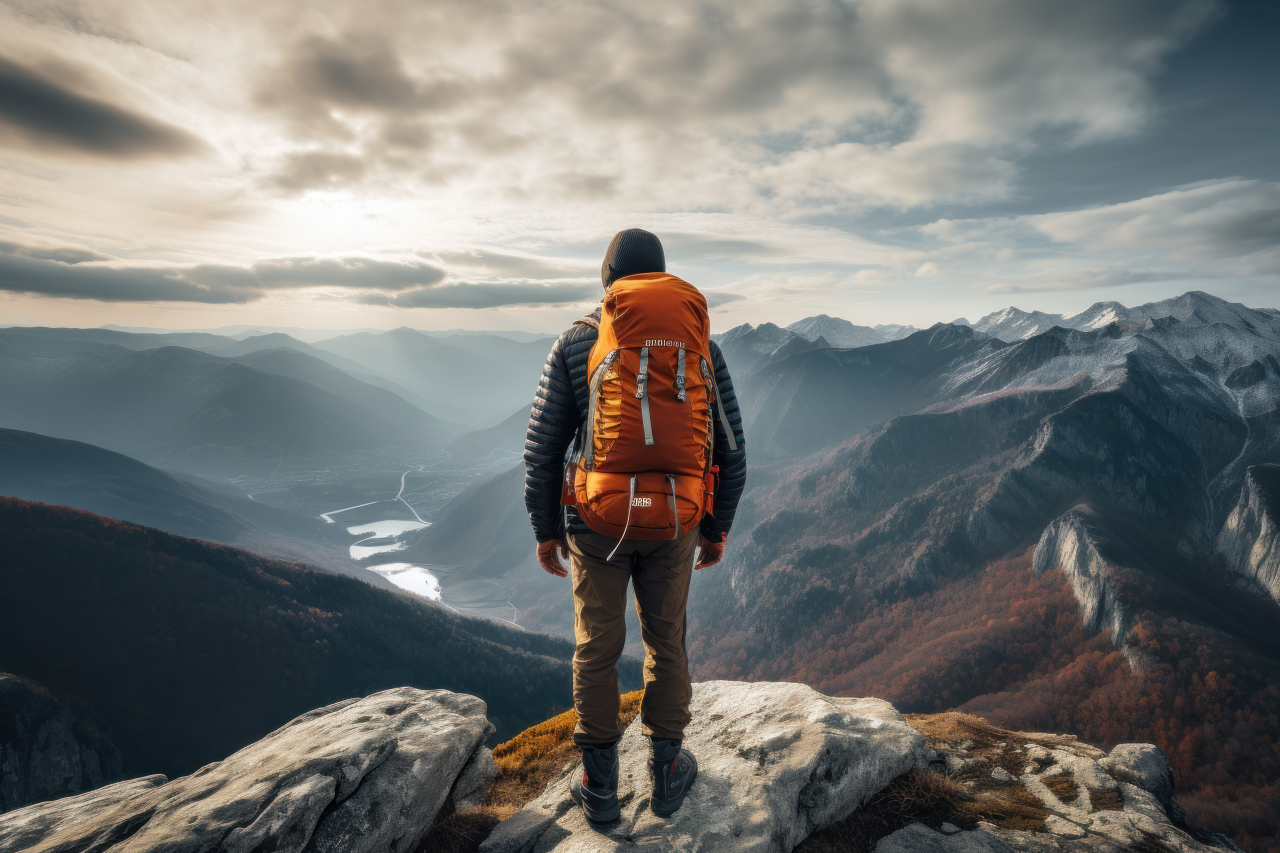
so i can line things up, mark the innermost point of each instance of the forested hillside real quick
(189, 650)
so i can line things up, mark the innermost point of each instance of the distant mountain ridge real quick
(188, 410)
(471, 378)
(63, 472)
(836, 332)
(1099, 500)
(1195, 307)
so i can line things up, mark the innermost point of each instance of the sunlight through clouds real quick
(501, 143)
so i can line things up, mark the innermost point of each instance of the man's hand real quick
(548, 559)
(712, 552)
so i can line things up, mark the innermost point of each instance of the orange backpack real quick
(643, 468)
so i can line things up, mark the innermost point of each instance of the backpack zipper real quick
(680, 395)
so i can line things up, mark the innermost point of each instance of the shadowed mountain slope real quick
(802, 402)
(58, 471)
(189, 650)
(501, 443)
(1032, 535)
(483, 533)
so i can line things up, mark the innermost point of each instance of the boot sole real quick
(668, 808)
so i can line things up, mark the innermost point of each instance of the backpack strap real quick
(642, 391)
(708, 373)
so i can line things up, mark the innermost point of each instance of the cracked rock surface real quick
(776, 761)
(1107, 812)
(359, 775)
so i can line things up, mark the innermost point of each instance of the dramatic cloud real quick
(728, 103)
(307, 170)
(62, 254)
(1081, 279)
(1211, 231)
(500, 264)
(27, 270)
(795, 157)
(463, 295)
(1231, 220)
(36, 110)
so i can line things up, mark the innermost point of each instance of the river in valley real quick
(379, 537)
(374, 530)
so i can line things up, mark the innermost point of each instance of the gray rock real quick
(776, 762)
(1250, 539)
(1002, 775)
(360, 775)
(918, 838)
(47, 750)
(474, 780)
(1067, 543)
(1080, 826)
(1062, 827)
(1144, 765)
(21, 829)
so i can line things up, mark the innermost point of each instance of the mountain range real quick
(1059, 522)
(1070, 531)
(1012, 324)
(190, 411)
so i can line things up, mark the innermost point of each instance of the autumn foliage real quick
(1008, 645)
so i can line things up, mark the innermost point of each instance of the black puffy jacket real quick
(560, 407)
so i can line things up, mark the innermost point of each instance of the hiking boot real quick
(673, 770)
(597, 789)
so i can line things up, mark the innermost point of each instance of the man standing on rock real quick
(634, 459)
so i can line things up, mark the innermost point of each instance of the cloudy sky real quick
(439, 164)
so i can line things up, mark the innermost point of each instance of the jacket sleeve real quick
(552, 425)
(733, 463)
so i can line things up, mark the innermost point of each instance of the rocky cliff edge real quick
(782, 768)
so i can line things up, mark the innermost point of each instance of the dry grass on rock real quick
(919, 795)
(526, 764)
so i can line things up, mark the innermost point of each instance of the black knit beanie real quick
(632, 252)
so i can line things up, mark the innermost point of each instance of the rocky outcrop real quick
(47, 750)
(776, 761)
(367, 774)
(1066, 544)
(1122, 801)
(1144, 765)
(1250, 537)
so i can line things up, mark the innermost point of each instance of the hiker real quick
(634, 460)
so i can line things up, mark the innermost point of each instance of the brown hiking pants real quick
(659, 572)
